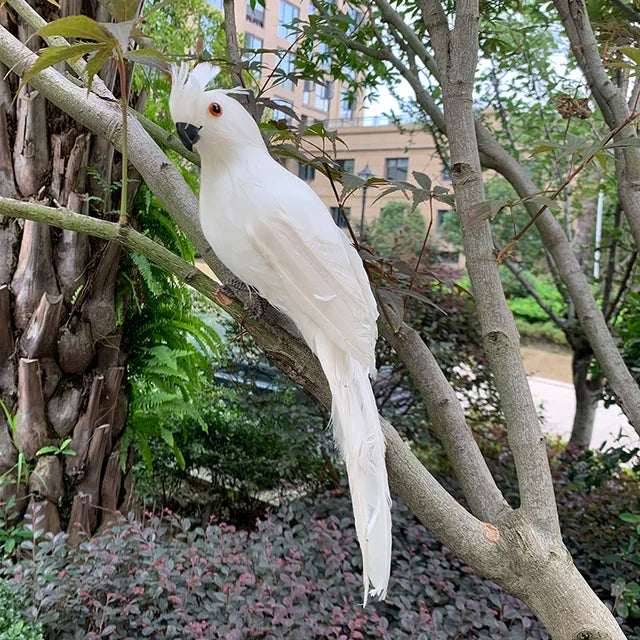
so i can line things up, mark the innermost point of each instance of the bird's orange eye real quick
(215, 109)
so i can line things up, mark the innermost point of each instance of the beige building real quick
(387, 150)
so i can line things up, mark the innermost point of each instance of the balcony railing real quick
(368, 121)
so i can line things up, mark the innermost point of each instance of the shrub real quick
(13, 626)
(245, 445)
(398, 231)
(296, 575)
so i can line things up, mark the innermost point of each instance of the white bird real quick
(272, 231)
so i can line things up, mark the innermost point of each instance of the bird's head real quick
(209, 119)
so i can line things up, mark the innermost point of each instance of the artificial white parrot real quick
(274, 233)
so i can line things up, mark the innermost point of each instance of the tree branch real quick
(231, 35)
(501, 341)
(623, 285)
(445, 412)
(122, 234)
(611, 262)
(612, 103)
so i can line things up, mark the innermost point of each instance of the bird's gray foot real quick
(251, 300)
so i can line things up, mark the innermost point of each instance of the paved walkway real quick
(557, 404)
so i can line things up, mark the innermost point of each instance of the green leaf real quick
(48, 449)
(543, 148)
(167, 436)
(76, 27)
(629, 517)
(54, 55)
(622, 609)
(123, 10)
(96, 62)
(602, 160)
(422, 179)
(631, 52)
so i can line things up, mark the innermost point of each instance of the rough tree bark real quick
(57, 308)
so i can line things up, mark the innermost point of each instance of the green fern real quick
(169, 346)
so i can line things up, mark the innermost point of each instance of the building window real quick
(323, 95)
(338, 218)
(397, 168)
(306, 92)
(347, 165)
(255, 15)
(306, 172)
(288, 13)
(442, 214)
(287, 65)
(251, 44)
(281, 115)
(346, 106)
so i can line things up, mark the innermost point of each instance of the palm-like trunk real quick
(61, 366)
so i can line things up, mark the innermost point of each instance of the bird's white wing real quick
(323, 278)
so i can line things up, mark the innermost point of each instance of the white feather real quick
(274, 232)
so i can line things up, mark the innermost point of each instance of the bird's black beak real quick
(188, 133)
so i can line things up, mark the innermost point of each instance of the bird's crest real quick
(201, 79)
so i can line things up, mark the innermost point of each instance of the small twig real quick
(504, 252)
(422, 249)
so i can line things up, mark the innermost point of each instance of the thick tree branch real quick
(501, 341)
(484, 497)
(122, 234)
(612, 103)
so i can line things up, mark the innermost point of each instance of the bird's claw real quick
(254, 305)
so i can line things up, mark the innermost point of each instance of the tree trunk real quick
(60, 360)
(586, 391)
(566, 604)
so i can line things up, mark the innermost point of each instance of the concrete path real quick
(557, 405)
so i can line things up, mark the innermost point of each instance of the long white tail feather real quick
(357, 431)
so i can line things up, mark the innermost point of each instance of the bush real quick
(245, 445)
(540, 331)
(398, 231)
(297, 575)
(13, 625)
